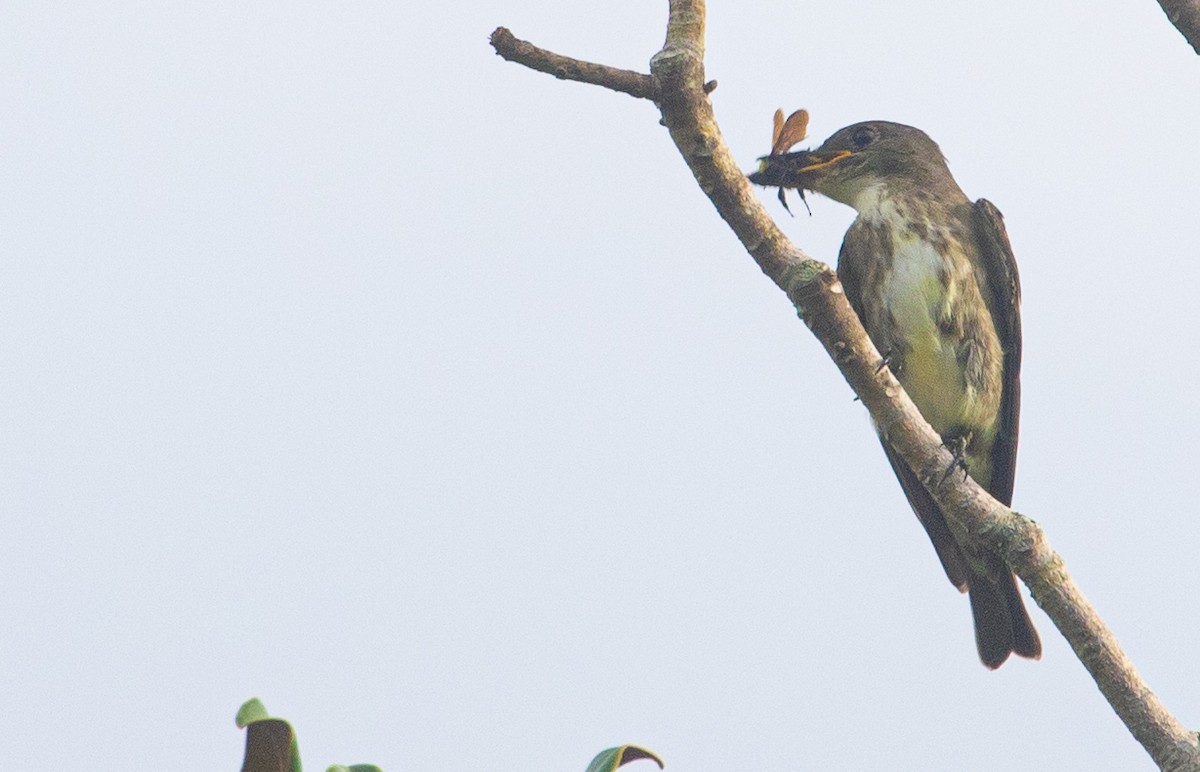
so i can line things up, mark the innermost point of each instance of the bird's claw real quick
(958, 447)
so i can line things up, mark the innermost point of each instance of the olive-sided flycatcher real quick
(932, 277)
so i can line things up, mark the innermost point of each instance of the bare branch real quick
(516, 50)
(677, 74)
(1185, 15)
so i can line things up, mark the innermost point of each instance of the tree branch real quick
(565, 68)
(677, 75)
(1185, 15)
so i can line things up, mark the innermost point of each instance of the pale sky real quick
(427, 398)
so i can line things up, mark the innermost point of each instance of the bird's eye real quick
(863, 136)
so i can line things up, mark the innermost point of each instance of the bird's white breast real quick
(917, 297)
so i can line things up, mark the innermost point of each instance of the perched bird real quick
(932, 277)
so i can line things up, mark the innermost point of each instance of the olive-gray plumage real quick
(932, 277)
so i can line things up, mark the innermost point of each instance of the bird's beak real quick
(817, 161)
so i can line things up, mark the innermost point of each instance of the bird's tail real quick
(1002, 625)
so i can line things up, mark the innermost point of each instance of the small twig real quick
(523, 52)
(1185, 15)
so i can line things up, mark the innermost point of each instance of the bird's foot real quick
(958, 448)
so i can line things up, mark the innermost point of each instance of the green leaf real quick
(612, 758)
(354, 768)
(270, 742)
(252, 710)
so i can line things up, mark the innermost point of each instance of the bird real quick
(933, 279)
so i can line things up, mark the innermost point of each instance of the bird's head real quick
(858, 157)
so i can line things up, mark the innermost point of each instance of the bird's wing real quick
(954, 562)
(858, 248)
(855, 246)
(1000, 270)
